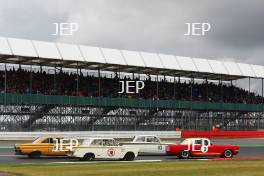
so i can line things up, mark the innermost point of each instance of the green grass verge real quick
(251, 145)
(170, 168)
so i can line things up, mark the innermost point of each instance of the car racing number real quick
(56, 148)
(160, 147)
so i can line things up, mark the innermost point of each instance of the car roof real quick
(197, 138)
(92, 138)
(50, 137)
(146, 135)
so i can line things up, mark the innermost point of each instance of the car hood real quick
(28, 144)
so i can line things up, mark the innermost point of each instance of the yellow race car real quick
(48, 146)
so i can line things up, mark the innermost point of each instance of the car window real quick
(206, 142)
(48, 141)
(151, 139)
(51, 140)
(57, 139)
(45, 141)
(198, 142)
(156, 139)
(108, 142)
(115, 143)
(97, 142)
(140, 139)
(87, 142)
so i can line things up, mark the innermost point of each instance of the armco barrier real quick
(84, 134)
(223, 134)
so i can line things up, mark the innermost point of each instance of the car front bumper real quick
(18, 151)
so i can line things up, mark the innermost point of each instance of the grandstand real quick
(55, 86)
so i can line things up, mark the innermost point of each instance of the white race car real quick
(103, 148)
(148, 145)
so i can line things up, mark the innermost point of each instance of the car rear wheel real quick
(228, 154)
(35, 154)
(88, 157)
(184, 154)
(129, 156)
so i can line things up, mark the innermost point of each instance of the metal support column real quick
(77, 80)
(191, 93)
(31, 80)
(5, 80)
(249, 89)
(174, 88)
(262, 100)
(207, 95)
(54, 80)
(99, 81)
(157, 88)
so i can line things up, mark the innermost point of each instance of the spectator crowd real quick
(70, 84)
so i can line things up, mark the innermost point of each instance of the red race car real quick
(201, 147)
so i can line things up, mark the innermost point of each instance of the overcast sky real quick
(236, 33)
(145, 25)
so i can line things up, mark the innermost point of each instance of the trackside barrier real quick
(84, 134)
(223, 134)
(10, 98)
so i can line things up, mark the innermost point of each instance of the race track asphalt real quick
(7, 155)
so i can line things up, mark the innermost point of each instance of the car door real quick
(196, 147)
(55, 147)
(95, 147)
(46, 146)
(111, 149)
(214, 150)
(153, 145)
(140, 143)
(199, 151)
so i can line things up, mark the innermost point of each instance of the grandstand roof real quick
(30, 52)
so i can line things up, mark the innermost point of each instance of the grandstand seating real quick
(18, 81)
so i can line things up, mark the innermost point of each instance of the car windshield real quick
(139, 139)
(196, 142)
(185, 142)
(36, 140)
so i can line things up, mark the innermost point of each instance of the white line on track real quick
(96, 162)
(6, 147)
(8, 155)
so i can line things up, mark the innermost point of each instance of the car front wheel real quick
(228, 154)
(88, 157)
(35, 154)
